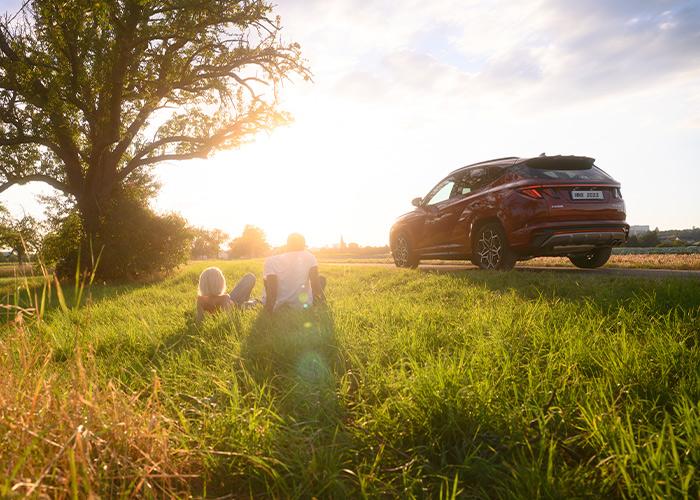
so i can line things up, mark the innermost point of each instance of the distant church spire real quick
(342, 244)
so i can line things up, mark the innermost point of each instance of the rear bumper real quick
(578, 241)
(568, 239)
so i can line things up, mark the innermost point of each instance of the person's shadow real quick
(295, 353)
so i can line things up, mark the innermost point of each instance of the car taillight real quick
(532, 193)
(617, 193)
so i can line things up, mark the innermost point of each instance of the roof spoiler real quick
(560, 162)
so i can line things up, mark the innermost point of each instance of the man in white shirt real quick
(291, 278)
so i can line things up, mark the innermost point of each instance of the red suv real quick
(497, 212)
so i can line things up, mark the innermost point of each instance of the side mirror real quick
(417, 202)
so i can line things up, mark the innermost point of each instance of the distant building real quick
(637, 230)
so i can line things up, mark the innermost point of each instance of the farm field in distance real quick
(407, 384)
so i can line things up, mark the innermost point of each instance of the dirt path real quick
(605, 271)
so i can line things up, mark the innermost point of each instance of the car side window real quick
(491, 174)
(440, 193)
(463, 186)
(477, 178)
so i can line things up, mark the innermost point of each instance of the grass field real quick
(407, 384)
(12, 269)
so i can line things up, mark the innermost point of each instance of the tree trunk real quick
(97, 190)
(89, 210)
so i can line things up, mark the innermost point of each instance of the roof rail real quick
(486, 161)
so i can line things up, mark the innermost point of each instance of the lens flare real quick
(311, 368)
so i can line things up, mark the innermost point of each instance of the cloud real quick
(423, 73)
(361, 86)
(539, 50)
(518, 66)
(605, 47)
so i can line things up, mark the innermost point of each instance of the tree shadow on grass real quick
(606, 292)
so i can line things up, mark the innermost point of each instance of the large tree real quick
(93, 91)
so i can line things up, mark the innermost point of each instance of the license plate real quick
(587, 195)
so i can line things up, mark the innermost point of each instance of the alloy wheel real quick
(490, 249)
(401, 252)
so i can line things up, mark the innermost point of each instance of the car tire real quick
(593, 259)
(491, 249)
(403, 253)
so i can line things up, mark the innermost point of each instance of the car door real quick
(433, 233)
(452, 213)
(478, 201)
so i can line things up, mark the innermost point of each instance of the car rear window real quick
(588, 174)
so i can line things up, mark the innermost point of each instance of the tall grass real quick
(406, 384)
(65, 434)
(62, 433)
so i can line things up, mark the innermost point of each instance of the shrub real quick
(672, 243)
(135, 242)
(63, 242)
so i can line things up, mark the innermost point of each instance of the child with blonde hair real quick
(212, 294)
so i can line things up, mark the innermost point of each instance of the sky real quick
(405, 92)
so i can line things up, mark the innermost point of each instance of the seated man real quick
(291, 278)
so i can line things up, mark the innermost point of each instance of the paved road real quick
(605, 271)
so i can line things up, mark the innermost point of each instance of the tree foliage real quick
(21, 235)
(207, 243)
(93, 91)
(647, 239)
(251, 243)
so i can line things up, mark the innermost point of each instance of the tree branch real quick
(5, 46)
(168, 140)
(36, 178)
(136, 163)
(149, 108)
(27, 139)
